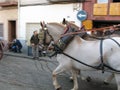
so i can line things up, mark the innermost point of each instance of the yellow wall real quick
(114, 9)
(88, 24)
(100, 9)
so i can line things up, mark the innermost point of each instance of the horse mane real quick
(57, 24)
(61, 25)
(74, 26)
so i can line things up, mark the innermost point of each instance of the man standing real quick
(35, 45)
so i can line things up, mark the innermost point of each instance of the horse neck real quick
(75, 42)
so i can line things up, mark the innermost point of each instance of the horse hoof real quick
(74, 89)
(71, 79)
(88, 79)
(106, 83)
(59, 88)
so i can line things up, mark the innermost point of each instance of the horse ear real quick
(64, 21)
(41, 24)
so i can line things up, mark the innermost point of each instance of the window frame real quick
(102, 1)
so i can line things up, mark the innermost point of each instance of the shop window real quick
(102, 1)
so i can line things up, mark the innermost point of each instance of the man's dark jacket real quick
(34, 39)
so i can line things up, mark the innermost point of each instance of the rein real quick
(73, 33)
(79, 31)
(1, 46)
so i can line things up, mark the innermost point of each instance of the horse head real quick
(44, 34)
(55, 30)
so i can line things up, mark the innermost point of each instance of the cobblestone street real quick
(18, 72)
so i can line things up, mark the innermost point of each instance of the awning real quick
(8, 4)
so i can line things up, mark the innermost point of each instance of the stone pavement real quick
(20, 72)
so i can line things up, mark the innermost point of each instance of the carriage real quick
(3, 47)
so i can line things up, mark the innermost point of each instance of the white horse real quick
(88, 52)
(78, 48)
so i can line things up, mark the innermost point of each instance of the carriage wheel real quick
(1, 54)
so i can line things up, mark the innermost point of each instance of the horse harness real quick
(43, 36)
(103, 65)
(1, 45)
(62, 44)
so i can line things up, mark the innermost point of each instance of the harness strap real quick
(66, 29)
(44, 40)
(112, 68)
(101, 55)
(115, 41)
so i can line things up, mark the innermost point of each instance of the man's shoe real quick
(33, 58)
(20, 51)
(37, 58)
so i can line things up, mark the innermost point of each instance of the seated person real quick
(16, 46)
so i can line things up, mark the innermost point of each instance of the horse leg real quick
(1, 54)
(75, 73)
(117, 77)
(78, 73)
(71, 78)
(107, 80)
(58, 70)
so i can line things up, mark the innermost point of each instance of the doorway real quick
(102, 23)
(116, 0)
(11, 30)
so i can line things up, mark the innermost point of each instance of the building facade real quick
(8, 19)
(102, 13)
(31, 13)
(19, 18)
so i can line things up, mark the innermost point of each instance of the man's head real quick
(35, 32)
